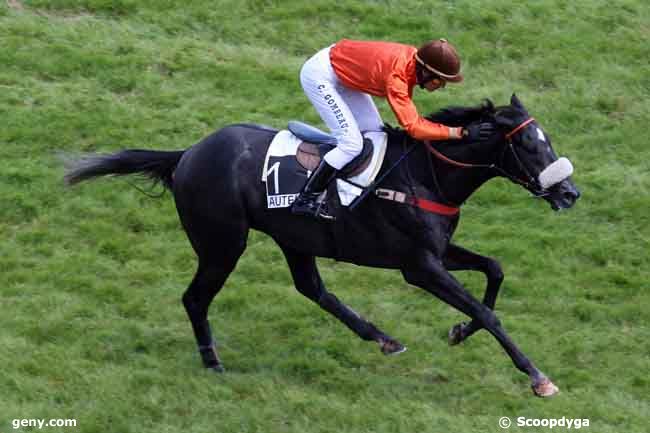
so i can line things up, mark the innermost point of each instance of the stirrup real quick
(307, 202)
(309, 206)
(322, 212)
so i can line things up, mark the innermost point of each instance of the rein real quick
(412, 199)
(438, 208)
(453, 162)
(531, 184)
(401, 197)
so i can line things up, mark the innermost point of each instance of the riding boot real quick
(307, 202)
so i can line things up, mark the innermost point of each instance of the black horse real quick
(380, 232)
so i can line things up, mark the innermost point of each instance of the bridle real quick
(530, 183)
(521, 126)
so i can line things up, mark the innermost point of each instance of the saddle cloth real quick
(285, 176)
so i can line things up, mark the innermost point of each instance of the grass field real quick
(91, 323)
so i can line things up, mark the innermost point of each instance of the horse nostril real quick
(571, 196)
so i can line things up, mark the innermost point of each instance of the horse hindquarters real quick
(211, 210)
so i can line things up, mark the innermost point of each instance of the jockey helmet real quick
(440, 58)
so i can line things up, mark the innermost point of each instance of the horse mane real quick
(453, 116)
(462, 116)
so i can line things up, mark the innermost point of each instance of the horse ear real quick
(488, 105)
(515, 102)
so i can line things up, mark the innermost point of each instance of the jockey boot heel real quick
(306, 203)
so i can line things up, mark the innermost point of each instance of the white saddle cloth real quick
(286, 144)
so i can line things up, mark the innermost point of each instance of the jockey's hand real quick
(478, 132)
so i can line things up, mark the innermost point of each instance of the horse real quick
(409, 228)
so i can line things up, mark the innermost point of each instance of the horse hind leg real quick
(309, 283)
(213, 270)
(207, 282)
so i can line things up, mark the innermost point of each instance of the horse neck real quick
(447, 182)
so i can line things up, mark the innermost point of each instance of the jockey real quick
(339, 80)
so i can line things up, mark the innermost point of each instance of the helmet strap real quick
(422, 76)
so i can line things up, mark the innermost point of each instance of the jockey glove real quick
(478, 132)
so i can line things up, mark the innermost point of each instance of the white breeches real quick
(345, 111)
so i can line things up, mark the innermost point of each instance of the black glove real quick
(478, 132)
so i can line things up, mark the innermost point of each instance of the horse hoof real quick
(218, 368)
(210, 358)
(545, 388)
(455, 335)
(392, 347)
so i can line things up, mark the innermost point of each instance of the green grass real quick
(91, 324)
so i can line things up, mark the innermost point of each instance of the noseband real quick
(531, 183)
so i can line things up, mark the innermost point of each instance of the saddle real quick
(316, 143)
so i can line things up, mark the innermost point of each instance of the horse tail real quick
(156, 165)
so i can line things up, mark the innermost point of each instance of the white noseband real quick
(555, 173)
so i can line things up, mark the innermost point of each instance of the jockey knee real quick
(351, 144)
(345, 151)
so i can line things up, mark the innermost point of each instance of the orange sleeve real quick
(397, 93)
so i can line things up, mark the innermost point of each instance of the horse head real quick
(526, 156)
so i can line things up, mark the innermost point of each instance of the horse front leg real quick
(431, 275)
(457, 258)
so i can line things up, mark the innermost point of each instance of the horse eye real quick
(529, 144)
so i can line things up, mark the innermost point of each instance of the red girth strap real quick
(427, 205)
